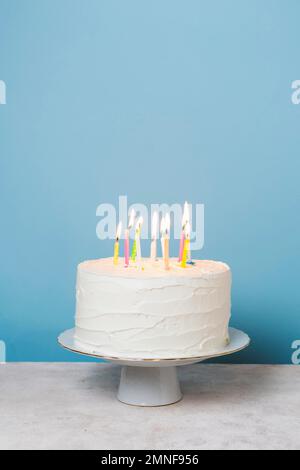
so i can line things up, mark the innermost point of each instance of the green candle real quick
(133, 251)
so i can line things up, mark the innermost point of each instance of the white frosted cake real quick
(152, 313)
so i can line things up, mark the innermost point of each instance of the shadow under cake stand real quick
(153, 382)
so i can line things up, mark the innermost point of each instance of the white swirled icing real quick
(152, 313)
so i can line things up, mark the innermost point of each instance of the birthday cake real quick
(151, 312)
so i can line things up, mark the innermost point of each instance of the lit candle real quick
(162, 231)
(167, 242)
(138, 241)
(186, 248)
(153, 253)
(127, 235)
(117, 244)
(185, 219)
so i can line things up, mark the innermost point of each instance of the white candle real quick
(153, 254)
(166, 242)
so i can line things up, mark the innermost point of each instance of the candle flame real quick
(119, 231)
(186, 215)
(167, 224)
(162, 226)
(139, 223)
(131, 219)
(154, 225)
(188, 229)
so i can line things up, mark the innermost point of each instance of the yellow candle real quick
(184, 254)
(185, 219)
(116, 252)
(117, 244)
(188, 249)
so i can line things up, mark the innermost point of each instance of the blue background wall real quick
(101, 92)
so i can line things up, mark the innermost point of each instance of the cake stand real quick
(153, 382)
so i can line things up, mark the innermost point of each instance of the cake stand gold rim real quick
(138, 360)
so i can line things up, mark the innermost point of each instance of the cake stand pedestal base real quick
(153, 382)
(149, 386)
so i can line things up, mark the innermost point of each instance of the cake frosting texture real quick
(152, 313)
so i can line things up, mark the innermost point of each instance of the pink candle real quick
(127, 235)
(181, 246)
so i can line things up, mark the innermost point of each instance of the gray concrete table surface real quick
(74, 406)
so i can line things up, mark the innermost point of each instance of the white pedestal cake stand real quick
(153, 382)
